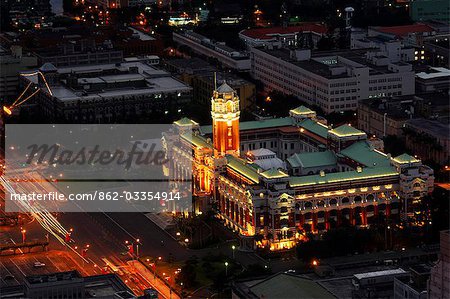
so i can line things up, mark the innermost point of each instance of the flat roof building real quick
(107, 92)
(334, 81)
(291, 36)
(69, 284)
(228, 57)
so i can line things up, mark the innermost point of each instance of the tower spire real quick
(225, 114)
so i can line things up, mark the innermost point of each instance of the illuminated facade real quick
(292, 175)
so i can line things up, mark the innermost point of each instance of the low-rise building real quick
(106, 93)
(434, 79)
(387, 116)
(413, 286)
(378, 284)
(69, 284)
(335, 81)
(228, 57)
(429, 139)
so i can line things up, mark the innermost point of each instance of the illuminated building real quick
(291, 174)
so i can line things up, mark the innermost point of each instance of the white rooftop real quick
(440, 72)
(157, 81)
(380, 273)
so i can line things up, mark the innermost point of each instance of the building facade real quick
(254, 194)
(334, 81)
(106, 93)
(425, 10)
(11, 64)
(304, 35)
(439, 284)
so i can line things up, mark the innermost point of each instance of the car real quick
(38, 265)
(8, 277)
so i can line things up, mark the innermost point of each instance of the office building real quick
(107, 93)
(334, 81)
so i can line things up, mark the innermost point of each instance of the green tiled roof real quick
(366, 173)
(314, 127)
(346, 130)
(185, 122)
(196, 140)
(315, 159)
(405, 158)
(301, 110)
(256, 124)
(361, 152)
(247, 170)
(274, 173)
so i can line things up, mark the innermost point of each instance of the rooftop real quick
(432, 127)
(405, 159)
(256, 124)
(314, 127)
(287, 286)
(146, 80)
(405, 29)
(314, 159)
(338, 177)
(243, 168)
(274, 173)
(398, 271)
(434, 72)
(346, 130)
(269, 33)
(363, 153)
(302, 110)
(331, 64)
(225, 88)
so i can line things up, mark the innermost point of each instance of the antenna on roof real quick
(215, 81)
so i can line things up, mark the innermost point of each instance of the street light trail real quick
(45, 219)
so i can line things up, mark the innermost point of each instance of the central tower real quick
(225, 116)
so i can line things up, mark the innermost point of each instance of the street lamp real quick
(23, 231)
(226, 268)
(137, 247)
(233, 248)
